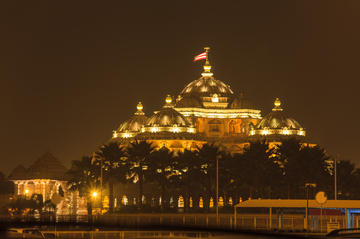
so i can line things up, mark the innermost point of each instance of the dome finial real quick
(207, 66)
(277, 104)
(139, 108)
(168, 99)
(168, 102)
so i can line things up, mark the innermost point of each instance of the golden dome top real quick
(277, 104)
(168, 102)
(168, 99)
(139, 106)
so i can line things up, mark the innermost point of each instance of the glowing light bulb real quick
(168, 99)
(154, 129)
(277, 102)
(139, 106)
(215, 98)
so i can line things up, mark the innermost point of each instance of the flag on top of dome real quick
(201, 56)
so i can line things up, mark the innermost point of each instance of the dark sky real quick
(72, 71)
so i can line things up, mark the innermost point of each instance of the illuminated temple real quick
(208, 111)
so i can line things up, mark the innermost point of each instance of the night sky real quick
(72, 71)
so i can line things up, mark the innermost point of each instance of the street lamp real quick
(26, 193)
(335, 177)
(307, 186)
(217, 188)
(94, 194)
(94, 158)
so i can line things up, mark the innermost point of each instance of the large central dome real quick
(206, 86)
(205, 92)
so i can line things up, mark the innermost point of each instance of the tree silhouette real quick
(347, 179)
(139, 153)
(113, 161)
(262, 170)
(190, 175)
(207, 155)
(161, 169)
(83, 176)
(303, 164)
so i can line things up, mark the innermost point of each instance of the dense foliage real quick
(260, 171)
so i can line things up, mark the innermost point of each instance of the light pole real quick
(101, 178)
(217, 189)
(101, 185)
(93, 195)
(307, 186)
(335, 177)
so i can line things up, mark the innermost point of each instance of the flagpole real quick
(207, 49)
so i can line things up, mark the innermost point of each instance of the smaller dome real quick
(239, 102)
(277, 122)
(132, 126)
(168, 119)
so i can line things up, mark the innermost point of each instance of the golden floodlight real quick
(94, 194)
(26, 191)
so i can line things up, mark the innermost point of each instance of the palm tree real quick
(161, 169)
(260, 167)
(114, 164)
(190, 176)
(347, 179)
(303, 164)
(139, 159)
(208, 154)
(83, 176)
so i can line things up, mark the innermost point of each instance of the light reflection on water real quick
(151, 235)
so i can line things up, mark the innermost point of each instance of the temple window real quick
(180, 202)
(232, 127)
(211, 204)
(214, 126)
(124, 200)
(201, 202)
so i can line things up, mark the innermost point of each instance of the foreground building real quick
(47, 176)
(208, 111)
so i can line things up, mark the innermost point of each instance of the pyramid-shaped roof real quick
(45, 167)
(19, 172)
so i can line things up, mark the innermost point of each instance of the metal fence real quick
(283, 222)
